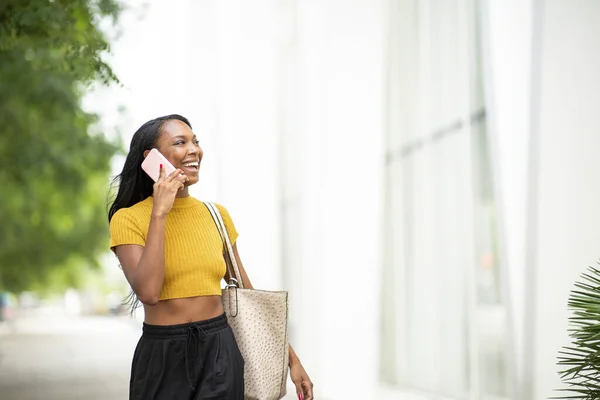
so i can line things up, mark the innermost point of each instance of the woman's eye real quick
(179, 142)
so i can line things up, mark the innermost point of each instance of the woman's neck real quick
(183, 193)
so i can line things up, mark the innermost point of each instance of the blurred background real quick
(420, 175)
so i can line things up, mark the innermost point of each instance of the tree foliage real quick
(53, 166)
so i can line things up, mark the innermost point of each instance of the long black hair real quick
(134, 184)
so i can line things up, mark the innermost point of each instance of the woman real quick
(171, 254)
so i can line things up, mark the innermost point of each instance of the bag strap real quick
(235, 278)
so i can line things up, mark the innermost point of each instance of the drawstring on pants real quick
(192, 345)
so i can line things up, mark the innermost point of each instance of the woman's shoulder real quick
(222, 209)
(140, 210)
(226, 215)
(201, 203)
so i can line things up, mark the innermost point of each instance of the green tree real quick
(53, 166)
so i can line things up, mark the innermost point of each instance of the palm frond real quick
(581, 359)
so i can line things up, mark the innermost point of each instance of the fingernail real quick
(160, 166)
(300, 396)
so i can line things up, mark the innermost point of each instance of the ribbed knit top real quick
(194, 263)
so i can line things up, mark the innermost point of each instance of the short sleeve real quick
(125, 229)
(231, 231)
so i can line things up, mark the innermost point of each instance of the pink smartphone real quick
(151, 164)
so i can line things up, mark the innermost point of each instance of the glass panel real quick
(393, 350)
(491, 310)
(437, 341)
(431, 215)
(445, 68)
(403, 74)
(491, 318)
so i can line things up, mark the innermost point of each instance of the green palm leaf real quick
(581, 359)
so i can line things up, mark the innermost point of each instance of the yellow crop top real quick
(194, 264)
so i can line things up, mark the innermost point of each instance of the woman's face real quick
(180, 146)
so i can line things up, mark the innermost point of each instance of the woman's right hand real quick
(165, 190)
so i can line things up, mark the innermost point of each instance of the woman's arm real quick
(304, 386)
(144, 266)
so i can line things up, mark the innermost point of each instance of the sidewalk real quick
(5, 328)
(66, 358)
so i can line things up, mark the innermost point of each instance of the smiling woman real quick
(175, 266)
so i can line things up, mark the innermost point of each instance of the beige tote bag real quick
(259, 320)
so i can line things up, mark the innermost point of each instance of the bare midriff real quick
(182, 311)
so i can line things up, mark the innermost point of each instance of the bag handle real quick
(235, 278)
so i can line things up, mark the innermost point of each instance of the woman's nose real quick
(193, 149)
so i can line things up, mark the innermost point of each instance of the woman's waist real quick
(206, 327)
(183, 310)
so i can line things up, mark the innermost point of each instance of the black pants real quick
(195, 361)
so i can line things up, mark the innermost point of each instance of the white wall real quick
(336, 121)
(245, 94)
(568, 234)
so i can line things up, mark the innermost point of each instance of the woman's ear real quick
(146, 153)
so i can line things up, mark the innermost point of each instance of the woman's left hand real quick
(304, 386)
